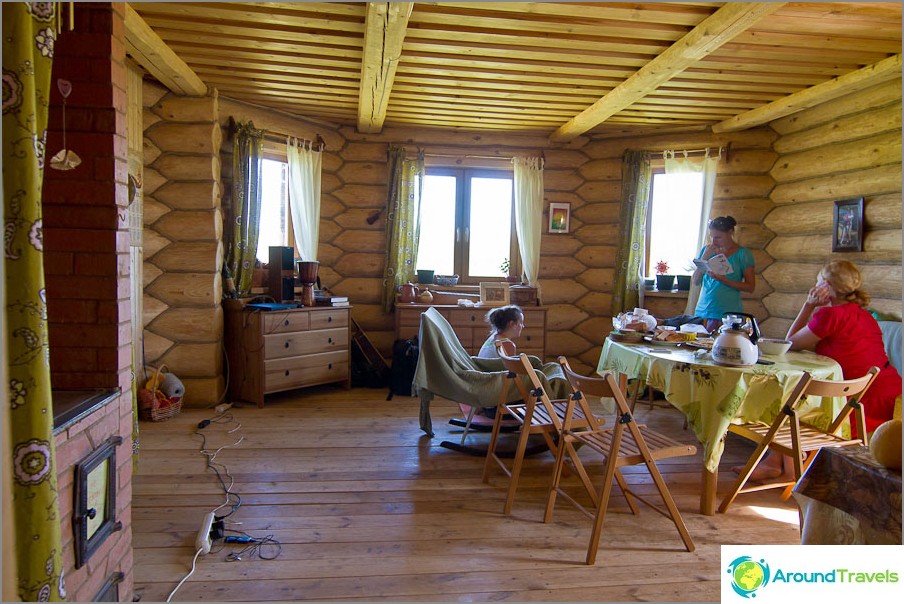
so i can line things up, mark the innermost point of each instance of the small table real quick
(847, 497)
(713, 396)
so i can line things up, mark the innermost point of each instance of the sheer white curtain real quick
(304, 195)
(529, 213)
(679, 161)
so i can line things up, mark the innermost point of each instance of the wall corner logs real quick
(848, 148)
(183, 240)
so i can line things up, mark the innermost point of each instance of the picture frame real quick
(94, 510)
(847, 225)
(559, 217)
(494, 293)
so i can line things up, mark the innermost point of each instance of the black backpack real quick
(404, 364)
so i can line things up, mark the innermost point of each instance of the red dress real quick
(852, 337)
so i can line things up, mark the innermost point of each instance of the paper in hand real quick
(718, 264)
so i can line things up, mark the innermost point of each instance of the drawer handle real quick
(329, 319)
(329, 340)
(287, 322)
(287, 343)
(473, 318)
(329, 366)
(287, 373)
(528, 338)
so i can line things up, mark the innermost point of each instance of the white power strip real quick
(202, 542)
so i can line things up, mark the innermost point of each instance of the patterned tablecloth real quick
(847, 497)
(713, 396)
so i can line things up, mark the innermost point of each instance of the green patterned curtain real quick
(28, 39)
(406, 178)
(247, 153)
(629, 259)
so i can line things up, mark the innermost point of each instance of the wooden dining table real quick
(712, 396)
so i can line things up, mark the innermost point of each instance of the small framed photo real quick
(847, 226)
(559, 217)
(494, 293)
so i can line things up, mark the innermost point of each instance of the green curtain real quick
(28, 40)
(406, 178)
(247, 153)
(629, 258)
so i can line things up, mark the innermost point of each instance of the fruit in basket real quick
(885, 444)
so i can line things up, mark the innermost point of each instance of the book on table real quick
(718, 264)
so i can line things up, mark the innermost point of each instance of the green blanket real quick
(446, 369)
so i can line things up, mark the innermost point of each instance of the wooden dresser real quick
(471, 327)
(285, 349)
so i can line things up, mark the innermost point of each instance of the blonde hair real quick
(845, 279)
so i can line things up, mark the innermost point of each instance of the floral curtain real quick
(406, 178)
(528, 176)
(304, 196)
(629, 258)
(28, 40)
(247, 153)
(708, 165)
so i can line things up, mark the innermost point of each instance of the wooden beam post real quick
(871, 75)
(152, 53)
(384, 32)
(714, 31)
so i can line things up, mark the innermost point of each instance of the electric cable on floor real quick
(190, 573)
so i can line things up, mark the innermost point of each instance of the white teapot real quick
(734, 345)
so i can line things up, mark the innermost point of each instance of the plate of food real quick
(702, 343)
(653, 341)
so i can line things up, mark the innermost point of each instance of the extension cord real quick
(221, 408)
(203, 540)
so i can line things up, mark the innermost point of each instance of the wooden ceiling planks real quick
(518, 65)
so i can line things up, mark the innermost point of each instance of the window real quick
(673, 227)
(274, 207)
(467, 224)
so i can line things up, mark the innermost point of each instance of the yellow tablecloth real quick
(713, 396)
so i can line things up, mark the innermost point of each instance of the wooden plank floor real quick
(366, 507)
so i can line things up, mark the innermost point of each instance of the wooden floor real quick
(366, 507)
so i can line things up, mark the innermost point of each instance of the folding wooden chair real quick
(626, 443)
(789, 436)
(536, 413)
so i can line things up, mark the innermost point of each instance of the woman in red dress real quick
(833, 322)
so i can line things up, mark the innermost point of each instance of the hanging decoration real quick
(65, 159)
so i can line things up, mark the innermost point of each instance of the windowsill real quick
(675, 293)
(69, 406)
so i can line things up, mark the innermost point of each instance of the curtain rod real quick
(502, 157)
(274, 136)
(722, 149)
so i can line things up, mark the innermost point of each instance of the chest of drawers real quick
(471, 327)
(285, 349)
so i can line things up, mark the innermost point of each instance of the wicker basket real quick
(153, 404)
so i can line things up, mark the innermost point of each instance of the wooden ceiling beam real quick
(713, 32)
(871, 75)
(384, 32)
(152, 53)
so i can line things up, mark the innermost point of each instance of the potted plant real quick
(664, 281)
(504, 267)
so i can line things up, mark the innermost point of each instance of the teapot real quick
(734, 345)
(407, 292)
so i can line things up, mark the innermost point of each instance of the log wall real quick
(182, 241)
(844, 149)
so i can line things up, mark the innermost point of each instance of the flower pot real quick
(425, 277)
(665, 283)
(684, 282)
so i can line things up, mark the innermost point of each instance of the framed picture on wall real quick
(559, 216)
(847, 226)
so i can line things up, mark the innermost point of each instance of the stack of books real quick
(330, 300)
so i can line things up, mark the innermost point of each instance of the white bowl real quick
(773, 346)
